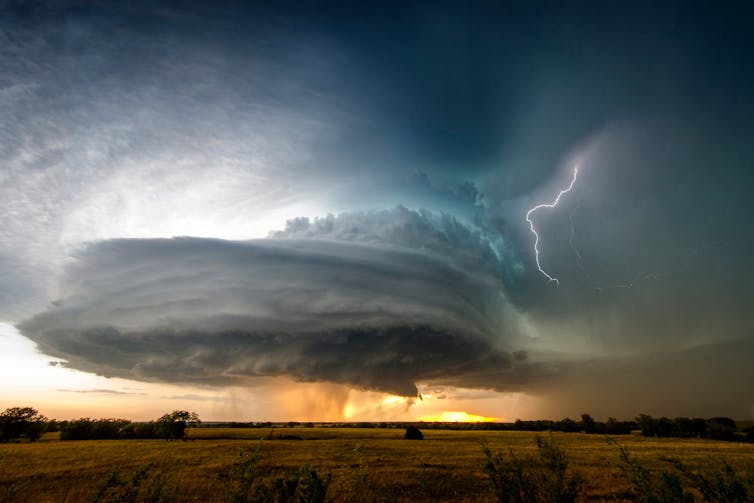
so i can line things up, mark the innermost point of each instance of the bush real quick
(244, 485)
(413, 433)
(241, 479)
(303, 487)
(650, 488)
(532, 479)
(143, 485)
(724, 485)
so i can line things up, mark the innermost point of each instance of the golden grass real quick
(447, 465)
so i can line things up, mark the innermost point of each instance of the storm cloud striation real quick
(373, 315)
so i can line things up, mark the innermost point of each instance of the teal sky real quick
(215, 195)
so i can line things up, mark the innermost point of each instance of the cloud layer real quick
(373, 315)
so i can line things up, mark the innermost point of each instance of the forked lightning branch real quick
(553, 204)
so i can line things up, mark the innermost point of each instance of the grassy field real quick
(365, 464)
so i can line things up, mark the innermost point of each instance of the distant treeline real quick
(717, 428)
(171, 426)
(108, 429)
(26, 422)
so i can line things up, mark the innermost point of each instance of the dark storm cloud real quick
(146, 119)
(371, 313)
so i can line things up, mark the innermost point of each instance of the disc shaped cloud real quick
(372, 315)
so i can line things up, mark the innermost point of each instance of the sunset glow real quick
(457, 417)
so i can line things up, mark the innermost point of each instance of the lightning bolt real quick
(534, 231)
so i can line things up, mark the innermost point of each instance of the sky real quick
(366, 211)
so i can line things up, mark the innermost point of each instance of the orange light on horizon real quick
(457, 417)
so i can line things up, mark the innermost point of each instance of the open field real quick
(365, 464)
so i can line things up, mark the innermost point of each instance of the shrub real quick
(650, 488)
(143, 485)
(532, 479)
(306, 486)
(244, 485)
(413, 433)
(240, 480)
(724, 485)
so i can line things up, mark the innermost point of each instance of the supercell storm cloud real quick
(374, 314)
(215, 193)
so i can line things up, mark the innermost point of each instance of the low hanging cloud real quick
(379, 314)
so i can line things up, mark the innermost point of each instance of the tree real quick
(684, 427)
(174, 425)
(615, 427)
(721, 428)
(568, 425)
(664, 427)
(647, 424)
(700, 427)
(17, 422)
(588, 423)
